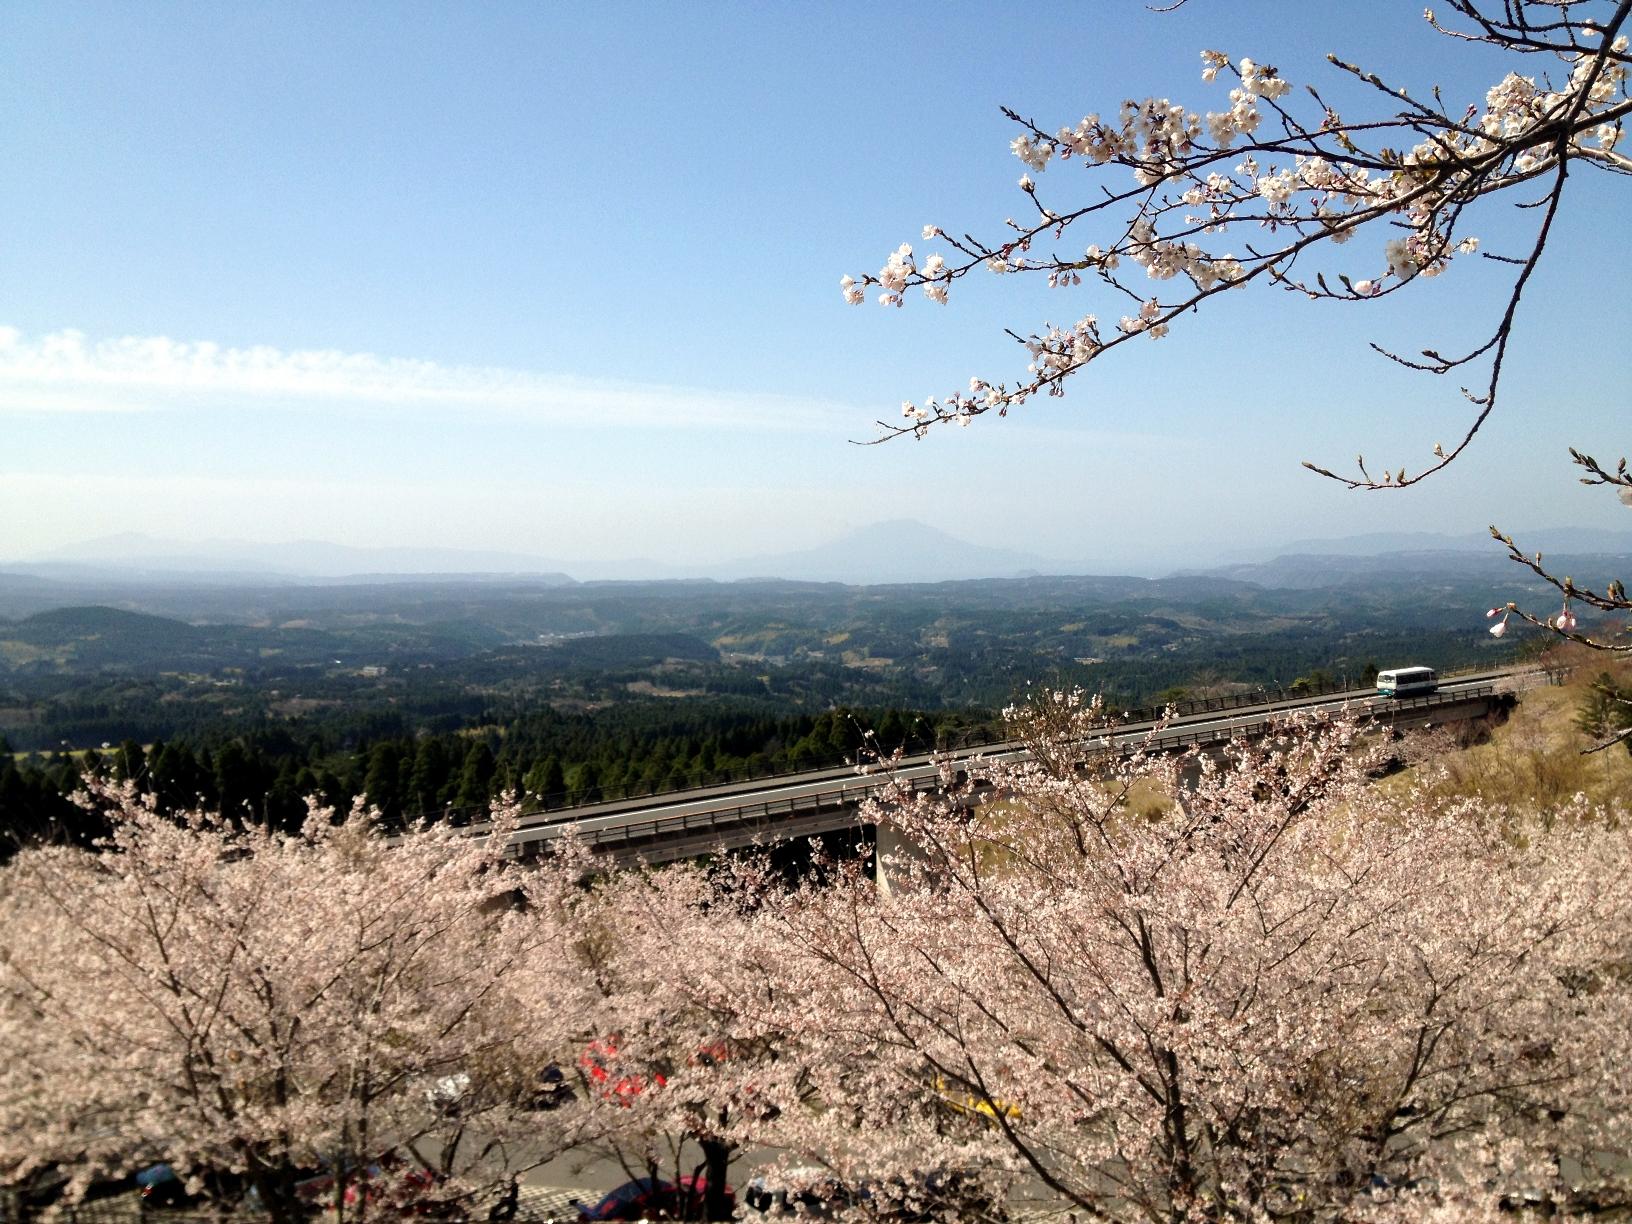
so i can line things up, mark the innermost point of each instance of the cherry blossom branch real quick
(1442, 365)
(1620, 737)
(1613, 598)
(1320, 181)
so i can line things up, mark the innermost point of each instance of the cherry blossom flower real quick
(1294, 180)
(237, 1000)
(1047, 983)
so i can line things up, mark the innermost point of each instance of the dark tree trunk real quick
(716, 1166)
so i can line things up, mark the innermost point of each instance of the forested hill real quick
(438, 694)
(440, 655)
(103, 640)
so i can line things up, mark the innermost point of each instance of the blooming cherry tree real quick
(238, 1001)
(682, 1074)
(1249, 984)
(1248, 987)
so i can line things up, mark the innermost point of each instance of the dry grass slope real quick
(1536, 759)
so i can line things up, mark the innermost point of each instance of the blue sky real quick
(563, 279)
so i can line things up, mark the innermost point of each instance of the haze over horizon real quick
(284, 274)
(862, 556)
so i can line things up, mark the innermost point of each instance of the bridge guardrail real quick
(849, 793)
(983, 741)
(973, 737)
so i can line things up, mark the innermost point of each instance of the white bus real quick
(1406, 681)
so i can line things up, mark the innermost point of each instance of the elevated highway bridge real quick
(685, 824)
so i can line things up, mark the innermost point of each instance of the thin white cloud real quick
(65, 372)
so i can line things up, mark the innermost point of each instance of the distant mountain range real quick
(246, 560)
(1427, 568)
(900, 551)
(1555, 539)
(1433, 558)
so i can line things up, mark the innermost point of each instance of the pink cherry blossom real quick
(232, 999)
(1280, 990)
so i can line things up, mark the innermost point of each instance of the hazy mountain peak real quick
(896, 550)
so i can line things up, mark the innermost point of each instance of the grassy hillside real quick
(1536, 759)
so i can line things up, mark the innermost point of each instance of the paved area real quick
(540, 1204)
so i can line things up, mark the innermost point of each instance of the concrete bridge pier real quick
(892, 845)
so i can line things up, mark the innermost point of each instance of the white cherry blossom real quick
(1168, 184)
